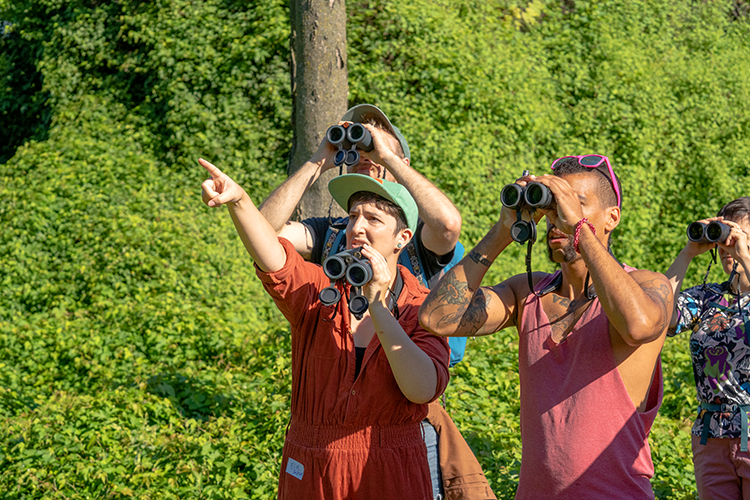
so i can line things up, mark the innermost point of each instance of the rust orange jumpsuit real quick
(349, 438)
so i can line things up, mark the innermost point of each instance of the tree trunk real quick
(320, 88)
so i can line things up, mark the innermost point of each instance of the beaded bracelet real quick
(578, 232)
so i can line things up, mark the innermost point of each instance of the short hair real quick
(605, 190)
(383, 204)
(382, 126)
(736, 210)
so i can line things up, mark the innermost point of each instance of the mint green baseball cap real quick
(344, 186)
(362, 112)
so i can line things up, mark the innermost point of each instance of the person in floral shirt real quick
(718, 315)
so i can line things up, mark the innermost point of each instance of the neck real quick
(574, 278)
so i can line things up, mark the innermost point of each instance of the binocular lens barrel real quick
(358, 274)
(336, 134)
(512, 195)
(334, 267)
(359, 135)
(713, 232)
(695, 231)
(538, 195)
(716, 232)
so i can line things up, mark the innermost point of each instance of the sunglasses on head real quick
(594, 161)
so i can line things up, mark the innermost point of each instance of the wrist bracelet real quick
(578, 232)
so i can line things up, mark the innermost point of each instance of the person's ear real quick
(403, 239)
(613, 219)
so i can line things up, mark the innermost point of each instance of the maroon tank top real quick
(582, 437)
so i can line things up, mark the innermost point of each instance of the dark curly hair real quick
(605, 189)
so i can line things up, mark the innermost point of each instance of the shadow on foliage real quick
(193, 398)
(24, 112)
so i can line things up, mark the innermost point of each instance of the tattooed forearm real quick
(479, 259)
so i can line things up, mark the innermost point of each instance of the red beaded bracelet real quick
(578, 232)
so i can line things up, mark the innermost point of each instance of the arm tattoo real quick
(658, 292)
(477, 257)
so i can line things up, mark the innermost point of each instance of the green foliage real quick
(139, 355)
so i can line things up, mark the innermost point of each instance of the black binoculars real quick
(530, 197)
(349, 137)
(525, 198)
(713, 232)
(356, 269)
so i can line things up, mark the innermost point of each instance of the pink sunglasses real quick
(594, 161)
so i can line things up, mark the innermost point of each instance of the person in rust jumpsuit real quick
(360, 386)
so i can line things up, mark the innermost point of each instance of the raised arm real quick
(256, 233)
(676, 272)
(280, 204)
(442, 221)
(638, 304)
(457, 306)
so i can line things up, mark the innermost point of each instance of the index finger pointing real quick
(212, 169)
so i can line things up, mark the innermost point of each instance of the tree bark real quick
(320, 88)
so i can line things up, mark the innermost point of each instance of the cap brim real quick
(344, 186)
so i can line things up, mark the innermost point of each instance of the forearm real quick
(257, 235)
(278, 208)
(442, 220)
(458, 306)
(640, 312)
(413, 369)
(676, 272)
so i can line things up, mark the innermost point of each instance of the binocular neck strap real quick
(710, 263)
(394, 294)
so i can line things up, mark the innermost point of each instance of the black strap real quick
(398, 287)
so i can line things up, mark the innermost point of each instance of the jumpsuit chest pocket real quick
(328, 343)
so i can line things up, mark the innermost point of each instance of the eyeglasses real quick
(594, 161)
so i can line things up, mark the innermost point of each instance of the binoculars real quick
(348, 137)
(713, 232)
(529, 197)
(356, 269)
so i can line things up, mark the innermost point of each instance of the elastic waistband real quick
(317, 436)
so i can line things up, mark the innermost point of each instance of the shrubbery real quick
(138, 353)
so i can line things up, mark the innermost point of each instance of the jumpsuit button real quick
(354, 392)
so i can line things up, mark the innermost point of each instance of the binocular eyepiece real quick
(356, 269)
(713, 232)
(349, 137)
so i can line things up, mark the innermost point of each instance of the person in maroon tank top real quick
(590, 336)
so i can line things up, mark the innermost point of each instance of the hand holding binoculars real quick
(713, 232)
(348, 137)
(356, 269)
(525, 198)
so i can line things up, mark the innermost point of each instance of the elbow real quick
(643, 333)
(452, 228)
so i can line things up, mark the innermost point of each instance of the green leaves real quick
(139, 355)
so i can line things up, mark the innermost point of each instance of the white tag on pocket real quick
(295, 469)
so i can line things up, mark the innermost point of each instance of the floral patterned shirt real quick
(720, 350)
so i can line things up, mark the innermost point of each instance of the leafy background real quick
(138, 354)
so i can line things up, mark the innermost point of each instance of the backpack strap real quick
(410, 260)
(334, 236)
